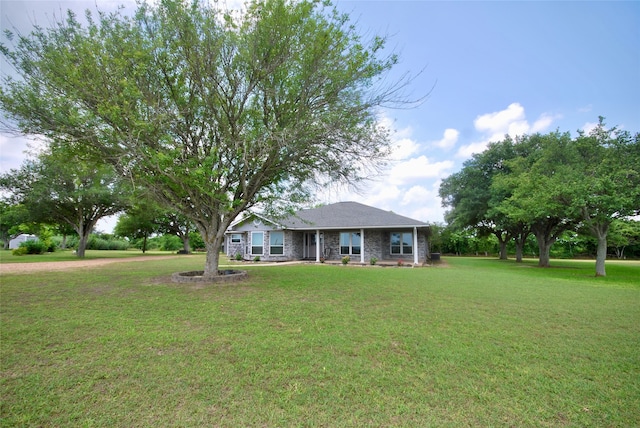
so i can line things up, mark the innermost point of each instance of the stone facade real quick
(377, 243)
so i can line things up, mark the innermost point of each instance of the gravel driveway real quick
(72, 264)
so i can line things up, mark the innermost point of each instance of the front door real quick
(310, 245)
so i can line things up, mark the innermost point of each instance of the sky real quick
(487, 69)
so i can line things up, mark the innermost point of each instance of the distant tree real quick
(60, 188)
(13, 221)
(213, 112)
(623, 234)
(176, 224)
(139, 222)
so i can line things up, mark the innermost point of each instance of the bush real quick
(373, 261)
(345, 260)
(170, 243)
(34, 247)
(256, 259)
(20, 251)
(239, 257)
(97, 242)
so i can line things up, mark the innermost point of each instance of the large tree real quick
(608, 185)
(471, 197)
(538, 185)
(59, 188)
(215, 112)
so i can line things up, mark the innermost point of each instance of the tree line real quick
(545, 185)
(56, 192)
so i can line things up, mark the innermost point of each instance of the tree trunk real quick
(83, 238)
(519, 250)
(185, 243)
(544, 247)
(520, 240)
(83, 230)
(545, 241)
(601, 256)
(144, 243)
(503, 240)
(213, 259)
(503, 250)
(601, 231)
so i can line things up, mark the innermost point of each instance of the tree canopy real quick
(549, 184)
(214, 112)
(59, 188)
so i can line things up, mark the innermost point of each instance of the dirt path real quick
(72, 264)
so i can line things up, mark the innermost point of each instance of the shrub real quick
(170, 243)
(239, 257)
(345, 260)
(34, 247)
(20, 251)
(256, 259)
(97, 242)
(400, 263)
(373, 261)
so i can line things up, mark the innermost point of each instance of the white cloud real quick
(415, 195)
(449, 139)
(13, 150)
(404, 148)
(510, 121)
(469, 149)
(418, 168)
(589, 126)
(544, 121)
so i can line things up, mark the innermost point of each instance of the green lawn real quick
(478, 343)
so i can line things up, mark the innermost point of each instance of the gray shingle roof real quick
(344, 215)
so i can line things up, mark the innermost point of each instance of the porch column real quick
(415, 245)
(362, 246)
(317, 246)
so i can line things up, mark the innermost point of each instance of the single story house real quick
(330, 232)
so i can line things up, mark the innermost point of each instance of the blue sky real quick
(492, 68)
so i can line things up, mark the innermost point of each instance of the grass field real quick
(477, 343)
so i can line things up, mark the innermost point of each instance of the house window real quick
(401, 243)
(257, 241)
(276, 243)
(236, 238)
(349, 243)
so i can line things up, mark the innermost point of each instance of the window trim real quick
(351, 246)
(239, 238)
(272, 246)
(255, 246)
(402, 243)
